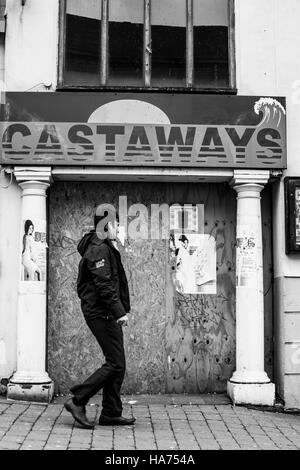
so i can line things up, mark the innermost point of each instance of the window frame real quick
(103, 72)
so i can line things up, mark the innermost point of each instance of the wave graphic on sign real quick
(272, 111)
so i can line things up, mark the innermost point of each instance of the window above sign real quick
(2, 15)
(159, 44)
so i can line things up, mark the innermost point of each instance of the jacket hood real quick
(86, 240)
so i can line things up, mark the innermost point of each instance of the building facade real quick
(190, 104)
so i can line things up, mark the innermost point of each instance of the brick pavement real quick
(163, 423)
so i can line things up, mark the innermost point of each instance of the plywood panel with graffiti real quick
(200, 328)
(175, 342)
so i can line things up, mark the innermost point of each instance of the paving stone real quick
(209, 447)
(146, 447)
(9, 446)
(58, 441)
(161, 426)
(230, 447)
(249, 447)
(18, 432)
(78, 445)
(80, 441)
(11, 439)
(32, 447)
(56, 447)
(103, 436)
(103, 447)
(189, 447)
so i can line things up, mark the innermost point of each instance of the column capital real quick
(260, 177)
(42, 174)
(34, 188)
(248, 190)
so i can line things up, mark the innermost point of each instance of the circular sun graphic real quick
(129, 112)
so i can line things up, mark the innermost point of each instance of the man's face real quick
(113, 228)
(184, 243)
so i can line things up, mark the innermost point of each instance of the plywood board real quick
(72, 351)
(174, 343)
(201, 328)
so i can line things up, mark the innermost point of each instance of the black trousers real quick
(110, 375)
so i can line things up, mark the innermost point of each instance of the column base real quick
(41, 393)
(251, 394)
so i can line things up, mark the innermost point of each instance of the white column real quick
(31, 381)
(250, 383)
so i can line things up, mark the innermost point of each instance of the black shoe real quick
(115, 421)
(78, 413)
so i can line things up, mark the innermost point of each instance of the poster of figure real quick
(34, 251)
(297, 214)
(193, 257)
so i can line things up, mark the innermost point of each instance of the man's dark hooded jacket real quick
(101, 285)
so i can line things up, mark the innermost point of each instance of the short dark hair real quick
(27, 225)
(183, 238)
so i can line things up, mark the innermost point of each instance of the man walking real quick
(103, 289)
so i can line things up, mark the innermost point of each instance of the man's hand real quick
(123, 320)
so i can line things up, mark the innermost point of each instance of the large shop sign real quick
(180, 130)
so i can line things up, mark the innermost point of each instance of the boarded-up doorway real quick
(174, 343)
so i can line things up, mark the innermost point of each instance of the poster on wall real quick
(34, 250)
(246, 258)
(193, 258)
(297, 214)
